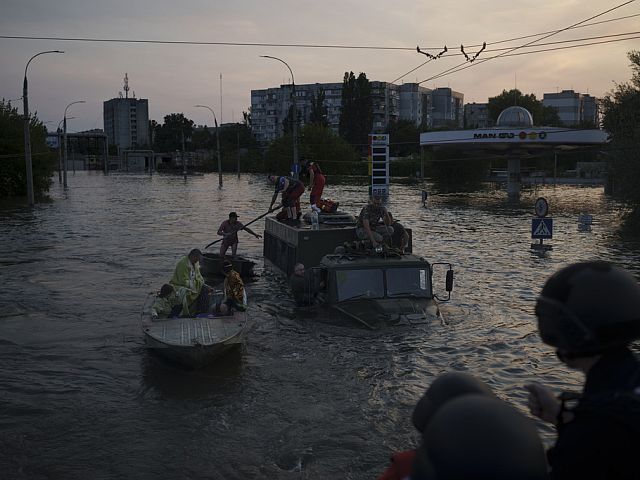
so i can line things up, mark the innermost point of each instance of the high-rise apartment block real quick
(448, 108)
(573, 108)
(476, 115)
(390, 102)
(126, 121)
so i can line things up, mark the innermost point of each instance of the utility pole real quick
(215, 121)
(184, 165)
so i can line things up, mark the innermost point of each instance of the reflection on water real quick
(304, 397)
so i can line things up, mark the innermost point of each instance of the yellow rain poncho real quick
(187, 281)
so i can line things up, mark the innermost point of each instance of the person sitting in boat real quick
(367, 227)
(167, 303)
(303, 286)
(189, 285)
(400, 237)
(229, 230)
(317, 181)
(235, 297)
(291, 190)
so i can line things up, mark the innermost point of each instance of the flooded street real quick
(82, 398)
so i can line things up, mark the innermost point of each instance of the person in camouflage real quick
(367, 227)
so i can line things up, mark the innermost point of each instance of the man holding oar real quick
(229, 230)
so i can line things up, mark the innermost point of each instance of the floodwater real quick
(82, 398)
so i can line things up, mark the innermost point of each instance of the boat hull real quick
(195, 342)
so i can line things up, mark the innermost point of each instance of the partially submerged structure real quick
(515, 137)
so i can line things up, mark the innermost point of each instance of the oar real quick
(246, 224)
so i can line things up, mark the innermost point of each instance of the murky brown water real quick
(81, 397)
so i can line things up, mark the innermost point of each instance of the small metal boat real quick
(212, 265)
(194, 342)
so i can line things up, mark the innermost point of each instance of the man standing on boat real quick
(317, 181)
(367, 227)
(229, 230)
(291, 190)
(590, 314)
(190, 286)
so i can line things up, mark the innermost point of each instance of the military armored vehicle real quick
(373, 287)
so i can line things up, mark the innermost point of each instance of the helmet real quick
(480, 437)
(443, 389)
(589, 307)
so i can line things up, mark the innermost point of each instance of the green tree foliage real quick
(236, 143)
(287, 123)
(451, 173)
(515, 97)
(356, 118)
(621, 108)
(317, 144)
(13, 173)
(168, 136)
(404, 136)
(550, 118)
(318, 115)
(246, 118)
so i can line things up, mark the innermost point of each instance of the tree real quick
(318, 115)
(356, 117)
(246, 118)
(168, 136)
(515, 97)
(550, 118)
(13, 173)
(317, 144)
(287, 123)
(621, 109)
(404, 137)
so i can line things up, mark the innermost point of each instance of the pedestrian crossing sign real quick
(542, 228)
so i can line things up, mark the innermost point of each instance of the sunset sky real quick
(174, 77)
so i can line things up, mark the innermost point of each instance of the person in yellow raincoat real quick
(189, 284)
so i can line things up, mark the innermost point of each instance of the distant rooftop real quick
(515, 117)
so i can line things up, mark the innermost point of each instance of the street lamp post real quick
(27, 134)
(295, 116)
(215, 121)
(60, 151)
(64, 119)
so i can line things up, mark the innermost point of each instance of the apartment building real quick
(448, 108)
(126, 122)
(476, 115)
(390, 102)
(573, 107)
(416, 104)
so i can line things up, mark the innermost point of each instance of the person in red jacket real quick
(317, 181)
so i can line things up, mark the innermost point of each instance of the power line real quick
(516, 38)
(447, 72)
(457, 67)
(559, 42)
(261, 44)
(551, 31)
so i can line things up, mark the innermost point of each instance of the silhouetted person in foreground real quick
(443, 389)
(479, 437)
(590, 312)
